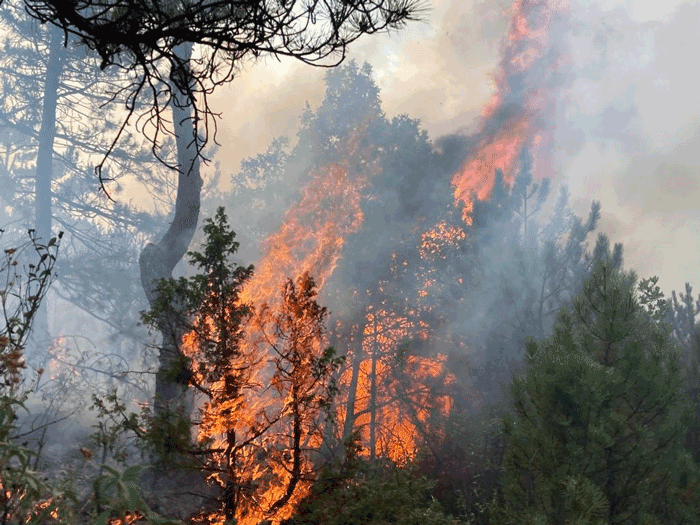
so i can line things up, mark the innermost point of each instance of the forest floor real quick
(175, 496)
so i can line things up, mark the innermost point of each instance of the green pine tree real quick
(600, 414)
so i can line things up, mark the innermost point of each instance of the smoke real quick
(627, 132)
(587, 88)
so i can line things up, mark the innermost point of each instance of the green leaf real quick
(132, 473)
(132, 497)
(112, 471)
(102, 518)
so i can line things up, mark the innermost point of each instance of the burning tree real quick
(532, 69)
(391, 262)
(205, 307)
(303, 391)
(265, 375)
(362, 172)
(178, 52)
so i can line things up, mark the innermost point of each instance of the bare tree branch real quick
(142, 37)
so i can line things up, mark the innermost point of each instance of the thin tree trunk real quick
(349, 422)
(158, 260)
(373, 397)
(44, 170)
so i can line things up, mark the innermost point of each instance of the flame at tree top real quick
(313, 233)
(517, 115)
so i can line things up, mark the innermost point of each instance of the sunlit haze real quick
(625, 127)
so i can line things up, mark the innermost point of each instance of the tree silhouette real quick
(46, 148)
(140, 36)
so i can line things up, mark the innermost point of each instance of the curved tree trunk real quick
(158, 260)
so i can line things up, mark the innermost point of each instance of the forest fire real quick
(312, 235)
(390, 394)
(249, 422)
(360, 332)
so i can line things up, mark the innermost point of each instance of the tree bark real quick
(158, 260)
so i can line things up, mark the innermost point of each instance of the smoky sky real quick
(625, 125)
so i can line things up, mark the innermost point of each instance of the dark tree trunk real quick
(158, 260)
(44, 171)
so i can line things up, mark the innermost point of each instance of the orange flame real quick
(310, 240)
(435, 241)
(402, 411)
(397, 396)
(314, 230)
(516, 115)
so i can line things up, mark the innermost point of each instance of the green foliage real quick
(358, 492)
(122, 489)
(169, 437)
(112, 424)
(25, 498)
(525, 267)
(212, 294)
(19, 301)
(599, 413)
(651, 298)
(166, 435)
(465, 462)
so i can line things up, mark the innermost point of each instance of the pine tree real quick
(521, 269)
(600, 414)
(265, 375)
(681, 316)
